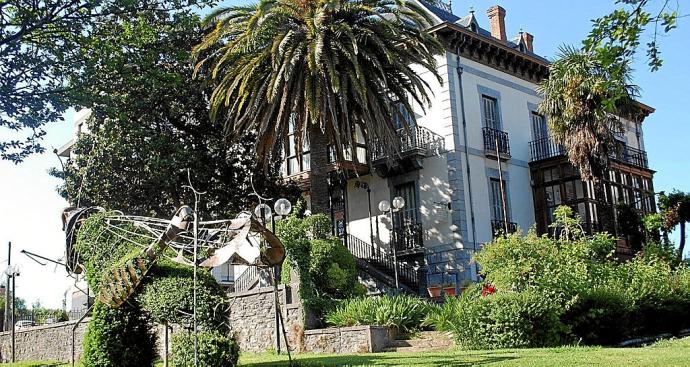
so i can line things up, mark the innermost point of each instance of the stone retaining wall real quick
(252, 319)
(43, 343)
(252, 323)
(355, 339)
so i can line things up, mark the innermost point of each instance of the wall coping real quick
(255, 291)
(341, 329)
(45, 327)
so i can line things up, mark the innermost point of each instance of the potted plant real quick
(449, 289)
(464, 284)
(434, 290)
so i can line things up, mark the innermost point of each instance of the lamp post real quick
(385, 207)
(12, 273)
(282, 208)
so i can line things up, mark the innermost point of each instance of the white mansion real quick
(483, 114)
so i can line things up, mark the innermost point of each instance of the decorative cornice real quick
(491, 52)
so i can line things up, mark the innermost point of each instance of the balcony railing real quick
(635, 157)
(498, 228)
(380, 258)
(546, 148)
(492, 137)
(414, 138)
(408, 237)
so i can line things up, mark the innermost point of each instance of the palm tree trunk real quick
(318, 177)
(604, 210)
(682, 240)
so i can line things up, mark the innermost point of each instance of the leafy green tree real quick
(615, 38)
(323, 66)
(150, 123)
(675, 211)
(41, 44)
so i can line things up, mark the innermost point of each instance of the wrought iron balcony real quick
(414, 140)
(632, 156)
(546, 148)
(408, 238)
(494, 138)
(498, 228)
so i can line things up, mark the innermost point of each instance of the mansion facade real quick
(480, 144)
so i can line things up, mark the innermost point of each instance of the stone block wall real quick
(253, 324)
(355, 339)
(51, 342)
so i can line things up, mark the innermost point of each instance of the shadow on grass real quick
(399, 359)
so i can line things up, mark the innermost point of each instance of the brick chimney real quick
(497, 22)
(529, 41)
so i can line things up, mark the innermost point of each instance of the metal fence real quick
(24, 319)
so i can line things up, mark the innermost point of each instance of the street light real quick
(282, 208)
(385, 207)
(12, 272)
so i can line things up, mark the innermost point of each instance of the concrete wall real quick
(52, 342)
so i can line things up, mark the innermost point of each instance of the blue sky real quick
(30, 207)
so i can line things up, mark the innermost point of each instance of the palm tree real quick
(582, 101)
(321, 65)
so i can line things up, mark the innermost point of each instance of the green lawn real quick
(666, 353)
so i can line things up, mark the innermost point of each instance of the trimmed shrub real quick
(215, 349)
(509, 320)
(402, 312)
(332, 268)
(119, 337)
(599, 317)
(167, 294)
(327, 270)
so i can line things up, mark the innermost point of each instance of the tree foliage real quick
(615, 38)
(150, 123)
(317, 68)
(41, 46)
(675, 211)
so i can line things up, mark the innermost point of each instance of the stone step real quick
(422, 343)
(425, 341)
(414, 349)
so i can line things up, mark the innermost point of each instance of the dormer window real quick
(473, 27)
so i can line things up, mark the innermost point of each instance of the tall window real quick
(402, 117)
(490, 108)
(294, 164)
(497, 199)
(409, 213)
(539, 128)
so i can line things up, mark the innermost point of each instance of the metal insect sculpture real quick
(241, 241)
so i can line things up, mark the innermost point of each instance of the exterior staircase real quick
(425, 341)
(374, 261)
(380, 264)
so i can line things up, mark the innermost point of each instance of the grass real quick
(665, 353)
